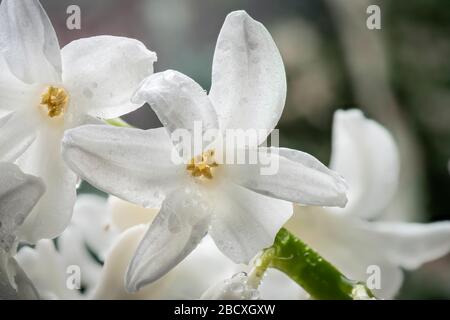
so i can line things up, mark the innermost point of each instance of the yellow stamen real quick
(202, 165)
(55, 99)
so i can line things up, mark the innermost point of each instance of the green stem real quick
(306, 267)
(118, 122)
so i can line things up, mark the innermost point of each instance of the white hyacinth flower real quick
(19, 193)
(188, 280)
(45, 90)
(91, 232)
(239, 207)
(117, 227)
(48, 269)
(356, 239)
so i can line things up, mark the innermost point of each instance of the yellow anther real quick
(55, 99)
(201, 166)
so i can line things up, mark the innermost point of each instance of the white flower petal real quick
(180, 103)
(125, 214)
(18, 131)
(14, 283)
(47, 269)
(349, 247)
(410, 245)
(132, 164)
(188, 281)
(248, 78)
(365, 153)
(73, 248)
(111, 284)
(353, 245)
(28, 42)
(182, 222)
(75, 119)
(293, 176)
(15, 95)
(19, 193)
(102, 73)
(246, 222)
(53, 212)
(91, 216)
(6, 77)
(185, 281)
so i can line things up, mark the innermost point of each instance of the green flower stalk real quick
(306, 267)
(118, 122)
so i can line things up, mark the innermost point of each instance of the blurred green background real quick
(399, 75)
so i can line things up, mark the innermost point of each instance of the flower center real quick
(202, 165)
(55, 99)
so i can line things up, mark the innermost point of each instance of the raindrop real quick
(88, 93)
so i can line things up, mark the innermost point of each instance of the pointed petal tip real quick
(129, 278)
(343, 201)
(134, 283)
(238, 13)
(240, 16)
(131, 285)
(354, 113)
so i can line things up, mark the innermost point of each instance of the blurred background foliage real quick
(399, 75)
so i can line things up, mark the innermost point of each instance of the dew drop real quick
(88, 93)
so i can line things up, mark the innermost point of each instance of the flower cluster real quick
(173, 208)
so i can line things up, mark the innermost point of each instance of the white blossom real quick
(19, 193)
(45, 91)
(240, 208)
(47, 265)
(357, 240)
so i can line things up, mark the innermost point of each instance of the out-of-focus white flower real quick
(46, 90)
(47, 265)
(14, 283)
(188, 280)
(94, 219)
(356, 239)
(84, 244)
(19, 193)
(47, 269)
(124, 214)
(239, 207)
